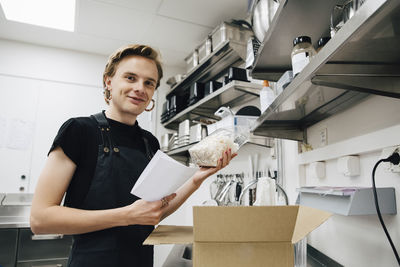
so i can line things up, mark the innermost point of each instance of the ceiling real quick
(175, 27)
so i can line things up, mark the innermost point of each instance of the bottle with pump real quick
(267, 96)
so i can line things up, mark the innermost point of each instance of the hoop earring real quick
(152, 107)
(107, 95)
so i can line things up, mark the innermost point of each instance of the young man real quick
(96, 161)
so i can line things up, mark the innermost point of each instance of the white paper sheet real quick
(162, 177)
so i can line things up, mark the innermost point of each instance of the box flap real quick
(307, 220)
(170, 234)
(244, 224)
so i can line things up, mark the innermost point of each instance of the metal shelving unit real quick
(229, 53)
(180, 151)
(233, 93)
(363, 58)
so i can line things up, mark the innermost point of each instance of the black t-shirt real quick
(80, 137)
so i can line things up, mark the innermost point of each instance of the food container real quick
(204, 50)
(229, 122)
(211, 87)
(192, 61)
(196, 92)
(175, 79)
(177, 104)
(228, 31)
(209, 150)
(197, 132)
(237, 74)
(173, 142)
(184, 129)
(165, 111)
(164, 144)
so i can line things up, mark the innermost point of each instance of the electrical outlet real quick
(323, 135)
(386, 152)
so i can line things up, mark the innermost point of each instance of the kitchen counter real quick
(15, 210)
(14, 222)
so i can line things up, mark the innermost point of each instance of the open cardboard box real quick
(242, 236)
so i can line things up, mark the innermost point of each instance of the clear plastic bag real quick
(210, 149)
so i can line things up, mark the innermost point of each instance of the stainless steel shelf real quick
(228, 54)
(362, 58)
(255, 140)
(181, 151)
(292, 19)
(235, 92)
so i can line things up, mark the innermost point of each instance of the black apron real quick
(117, 170)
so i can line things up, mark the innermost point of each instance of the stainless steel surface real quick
(30, 249)
(8, 247)
(356, 59)
(245, 189)
(181, 151)
(221, 196)
(15, 210)
(370, 39)
(17, 199)
(47, 237)
(228, 54)
(235, 92)
(261, 19)
(164, 143)
(44, 263)
(2, 195)
(291, 19)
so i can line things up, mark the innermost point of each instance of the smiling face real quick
(132, 88)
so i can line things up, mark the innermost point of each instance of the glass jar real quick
(322, 42)
(302, 53)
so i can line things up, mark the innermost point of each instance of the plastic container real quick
(209, 150)
(267, 96)
(204, 49)
(302, 53)
(228, 31)
(192, 61)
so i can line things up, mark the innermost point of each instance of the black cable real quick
(395, 157)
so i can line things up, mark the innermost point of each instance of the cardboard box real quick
(242, 236)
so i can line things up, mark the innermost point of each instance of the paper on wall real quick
(162, 177)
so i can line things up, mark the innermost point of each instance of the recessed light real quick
(56, 14)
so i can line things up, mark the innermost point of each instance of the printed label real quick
(299, 61)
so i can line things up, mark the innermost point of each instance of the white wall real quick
(352, 240)
(41, 88)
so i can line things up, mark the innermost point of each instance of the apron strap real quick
(149, 152)
(105, 129)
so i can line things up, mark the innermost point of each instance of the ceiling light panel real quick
(58, 14)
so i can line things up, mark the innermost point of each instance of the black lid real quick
(301, 39)
(323, 40)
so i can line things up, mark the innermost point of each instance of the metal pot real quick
(261, 19)
(342, 13)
